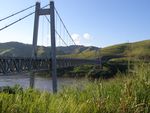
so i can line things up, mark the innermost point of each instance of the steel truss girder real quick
(9, 65)
(19, 64)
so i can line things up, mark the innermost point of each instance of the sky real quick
(90, 22)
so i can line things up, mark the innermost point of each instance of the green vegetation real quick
(15, 49)
(137, 50)
(126, 93)
(115, 58)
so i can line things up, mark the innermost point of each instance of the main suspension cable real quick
(19, 20)
(67, 30)
(16, 13)
(57, 33)
(61, 37)
(65, 27)
(16, 21)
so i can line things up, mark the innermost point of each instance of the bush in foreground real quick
(123, 94)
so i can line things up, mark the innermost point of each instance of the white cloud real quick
(37, 0)
(87, 36)
(84, 39)
(76, 38)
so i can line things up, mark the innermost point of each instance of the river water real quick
(41, 83)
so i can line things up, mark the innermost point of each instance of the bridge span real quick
(21, 64)
(18, 64)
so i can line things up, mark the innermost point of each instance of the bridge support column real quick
(35, 35)
(35, 32)
(32, 79)
(50, 11)
(53, 47)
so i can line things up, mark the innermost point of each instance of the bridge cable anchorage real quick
(57, 33)
(67, 29)
(16, 13)
(19, 20)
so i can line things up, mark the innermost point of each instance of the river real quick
(41, 83)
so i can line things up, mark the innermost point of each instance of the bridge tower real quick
(40, 12)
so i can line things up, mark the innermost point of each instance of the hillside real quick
(25, 50)
(137, 49)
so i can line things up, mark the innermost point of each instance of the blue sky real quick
(91, 22)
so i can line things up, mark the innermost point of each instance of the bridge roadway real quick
(21, 64)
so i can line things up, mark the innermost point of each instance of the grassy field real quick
(126, 93)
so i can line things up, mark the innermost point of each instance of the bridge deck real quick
(20, 64)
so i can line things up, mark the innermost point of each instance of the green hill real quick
(15, 49)
(25, 50)
(137, 49)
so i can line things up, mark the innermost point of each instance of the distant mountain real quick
(137, 49)
(17, 49)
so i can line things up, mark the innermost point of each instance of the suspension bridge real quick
(35, 63)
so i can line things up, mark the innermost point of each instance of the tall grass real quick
(124, 94)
